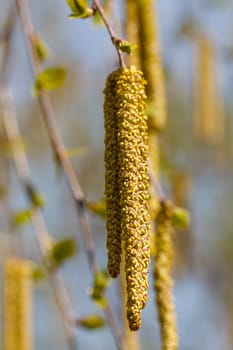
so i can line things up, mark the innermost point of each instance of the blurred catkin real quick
(151, 65)
(125, 106)
(163, 281)
(209, 116)
(152, 68)
(132, 31)
(17, 305)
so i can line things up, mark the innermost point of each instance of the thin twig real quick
(62, 157)
(42, 235)
(97, 7)
(5, 37)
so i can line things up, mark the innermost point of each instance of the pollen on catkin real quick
(113, 211)
(163, 281)
(132, 194)
(17, 305)
(151, 65)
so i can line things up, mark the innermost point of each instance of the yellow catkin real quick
(163, 278)
(128, 111)
(113, 210)
(132, 340)
(134, 189)
(17, 305)
(152, 65)
(153, 71)
(204, 105)
(132, 31)
(209, 115)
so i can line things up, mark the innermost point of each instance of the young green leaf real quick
(101, 279)
(37, 200)
(101, 282)
(38, 273)
(79, 9)
(78, 6)
(89, 12)
(41, 49)
(62, 250)
(180, 218)
(125, 46)
(98, 208)
(97, 19)
(50, 79)
(21, 217)
(99, 300)
(92, 322)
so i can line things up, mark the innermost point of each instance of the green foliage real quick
(97, 19)
(50, 79)
(37, 199)
(99, 299)
(92, 322)
(78, 6)
(79, 9)
(62, 250)
(21, 217)
(38, 273)
(98, 208)
(101, 282)
(101, 279)
(88, 13)
(41, 49)
(180, 218)
(125, 46)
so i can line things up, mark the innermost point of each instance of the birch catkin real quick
(151, 65)
(163, 277)
(17, 305)
(132, 31)
(113, 211)
(128, 112)
(209, 113)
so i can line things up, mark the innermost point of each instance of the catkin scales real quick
(127, 184)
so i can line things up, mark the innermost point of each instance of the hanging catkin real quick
(204, 91)
(17, 305)
(163, 277)
(125, 106)
(131, 338)
(151, 65)
(132, 31)
(113, 210)
(209, 110)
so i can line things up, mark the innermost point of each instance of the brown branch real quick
(62, 157)
(97, 7)
(42, 235)
(5, 37)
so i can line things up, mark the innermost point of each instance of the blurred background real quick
(196, 164)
